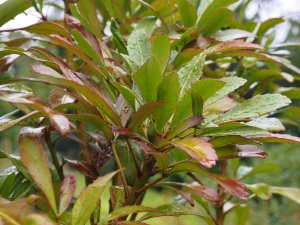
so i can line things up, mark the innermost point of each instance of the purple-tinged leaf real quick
(277, 138)
(67, 190)
(232, 186)
(184, 125)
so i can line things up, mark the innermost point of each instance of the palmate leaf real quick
(254, 107)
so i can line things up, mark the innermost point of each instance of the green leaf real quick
(270, 124)
(88, 11)
(161, 50)
(84, 45)
(67, 190)
(11, 8)
(219, 19)
(147, 78)
(231, 84)
(88, 199)
(277, 138)
(47, 28)
(233, 128)
(143, 113)
(174, 210)
(291, 193)
(198, 149)
(197, 103)
(257, 106)
(206, 88)
(115, 9)
(138, 47)
(268, 24)
(184, 125)
(127, 210)
(117, 37)
(187, 12)
(127, 93)
(35, 159)
(190, 73)
(36, 219)
(168, 93)
(232, 34)
(261, 190)
(211, 9)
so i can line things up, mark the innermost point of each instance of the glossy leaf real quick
(207, 88)
(270, 124)
(233, 128)
(35, 159)
(231, 84)
(161, 50)
(190, 73)
(256, 106)
(88, 199)
(148, 78)
(168, 93)
(233, 187)
(184, 125)
(220, 18)
(138, 47)
(198, 149)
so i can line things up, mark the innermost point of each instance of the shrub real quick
(150, 91)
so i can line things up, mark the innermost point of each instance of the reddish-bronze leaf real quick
(198, 149)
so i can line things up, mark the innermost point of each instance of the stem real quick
(83, 147)
(54, 156)
(220, 215)
(135, 159)
(119, 165)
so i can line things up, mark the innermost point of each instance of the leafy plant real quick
(149, 91)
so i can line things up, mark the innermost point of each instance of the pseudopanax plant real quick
(170, 94)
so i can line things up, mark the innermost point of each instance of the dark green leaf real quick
(147, 78)
(168, 93)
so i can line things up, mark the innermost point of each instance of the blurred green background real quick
(284, 157)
